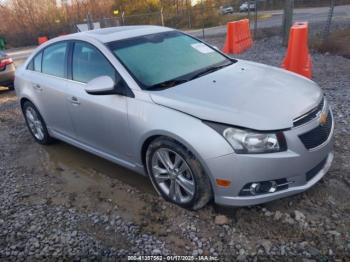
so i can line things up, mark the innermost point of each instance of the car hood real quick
(244, 94)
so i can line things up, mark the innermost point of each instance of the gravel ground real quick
(59, 202)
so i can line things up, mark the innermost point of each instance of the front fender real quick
(147, 119)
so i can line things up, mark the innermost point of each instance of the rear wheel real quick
(177, 175)
(36, 124)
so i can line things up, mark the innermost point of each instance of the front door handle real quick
(74, 100)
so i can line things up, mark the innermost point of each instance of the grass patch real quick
(264, 16)
(338, 43)
(266, 32)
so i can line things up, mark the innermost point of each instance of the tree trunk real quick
(329, 21)
(287, 20)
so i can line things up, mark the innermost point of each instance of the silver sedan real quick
(201, 125)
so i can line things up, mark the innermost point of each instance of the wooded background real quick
(23, 21)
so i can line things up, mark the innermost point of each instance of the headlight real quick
(251, 142)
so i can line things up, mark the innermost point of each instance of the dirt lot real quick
(60, 202)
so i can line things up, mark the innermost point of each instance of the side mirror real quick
(102, 85)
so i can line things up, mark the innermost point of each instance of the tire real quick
(183, 175)
(36, 124)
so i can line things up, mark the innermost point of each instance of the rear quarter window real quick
(35, 63)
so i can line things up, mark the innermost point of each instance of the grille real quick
(309, 116)
(318, 135)
(313, 172)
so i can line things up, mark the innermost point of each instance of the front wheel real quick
(177, 175)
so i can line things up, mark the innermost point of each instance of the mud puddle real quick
(75, 159)
(88, 182)
(78, 180)
(92, 184)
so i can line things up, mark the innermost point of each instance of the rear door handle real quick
(37, 87)
(74, 100)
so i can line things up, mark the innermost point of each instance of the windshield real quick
(166, 59)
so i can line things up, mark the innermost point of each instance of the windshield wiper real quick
(209, 70)
(183, 79)
(169, 83)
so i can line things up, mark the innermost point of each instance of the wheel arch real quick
(23, 100)
(188, 148)
(154, 135)
(144, 148)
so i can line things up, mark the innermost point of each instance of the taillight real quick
(5, 62)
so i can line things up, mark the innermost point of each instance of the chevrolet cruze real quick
(200, 124)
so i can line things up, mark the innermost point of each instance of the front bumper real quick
(292, 165)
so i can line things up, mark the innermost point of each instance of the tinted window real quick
(89, 63)
(54, 60)
(35, 63)
(31, 65)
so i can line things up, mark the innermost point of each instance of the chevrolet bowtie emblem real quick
(323, 119)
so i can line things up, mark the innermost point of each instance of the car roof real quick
(106, 35)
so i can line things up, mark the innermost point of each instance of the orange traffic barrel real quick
(238, 37)
(42, 39)
(247, 38)
(231, 44)
(298, 58)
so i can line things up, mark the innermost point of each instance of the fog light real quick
(273, 187)
(254, 188)
(263, 187)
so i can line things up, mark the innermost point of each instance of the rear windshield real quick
(162, 57)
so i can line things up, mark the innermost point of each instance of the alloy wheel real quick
(173, 175)
(35, 123)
